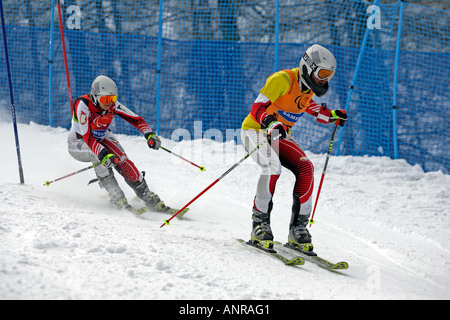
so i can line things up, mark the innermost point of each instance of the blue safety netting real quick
(203, 63)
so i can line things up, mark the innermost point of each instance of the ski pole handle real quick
(202, 168)
(47, 183)
(167, 222)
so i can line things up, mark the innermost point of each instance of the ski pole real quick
(167, 222)
(202, 168)
(47, 183)
(311, 221)
(11, 96)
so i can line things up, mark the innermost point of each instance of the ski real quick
(162, 208)
(296, 261)
(125, 206)
(311, 256)
(180, 216)
(136, 211)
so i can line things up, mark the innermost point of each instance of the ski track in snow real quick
(389, 220)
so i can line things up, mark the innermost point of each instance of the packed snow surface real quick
(389, 220)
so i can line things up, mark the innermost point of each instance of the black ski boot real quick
(261, 232)
(151, 199)
(299, 237)
(116, 195)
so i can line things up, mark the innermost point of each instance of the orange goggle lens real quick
(108, 99)
(323, 74)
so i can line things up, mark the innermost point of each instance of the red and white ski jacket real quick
(91, 122)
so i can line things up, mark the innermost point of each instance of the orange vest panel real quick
(289, 108)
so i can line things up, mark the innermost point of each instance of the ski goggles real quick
(319, 72)
(107, 99)
(323, 74)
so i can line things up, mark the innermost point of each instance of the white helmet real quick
(321, 62)
(103, 87)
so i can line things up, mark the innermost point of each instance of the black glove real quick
(153, 140)
(275, 129)
(338, 117)
(107, 159)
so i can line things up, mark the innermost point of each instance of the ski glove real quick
(324, 114)
(109, 160)
(275, 129)
(339, 117)
(152, 140)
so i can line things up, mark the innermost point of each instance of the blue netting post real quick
(277, 34)
(394, 98)
(158, 68)
(355, 77)
(50, 69)
(11, 95)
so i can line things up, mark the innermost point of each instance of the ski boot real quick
(116, 195)
(299, 237)
(151, 199)
(261, 235)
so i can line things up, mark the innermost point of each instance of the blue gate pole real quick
(355, 77)
(50, 69)
(277, 35)
(394, 98)
(158, 69)
(11, 95)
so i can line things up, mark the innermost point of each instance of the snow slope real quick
(388, 219)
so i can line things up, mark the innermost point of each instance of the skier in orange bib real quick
(284, 98)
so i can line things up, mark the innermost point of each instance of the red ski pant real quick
(272, 157)
(79, 150)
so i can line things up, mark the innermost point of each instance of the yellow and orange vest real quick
(288, 102)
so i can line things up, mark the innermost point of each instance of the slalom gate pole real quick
(311, 221)
(47, 183)
(50, 67)
(65, 56)
(11, 95)
(167, 222)
(202, 168)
